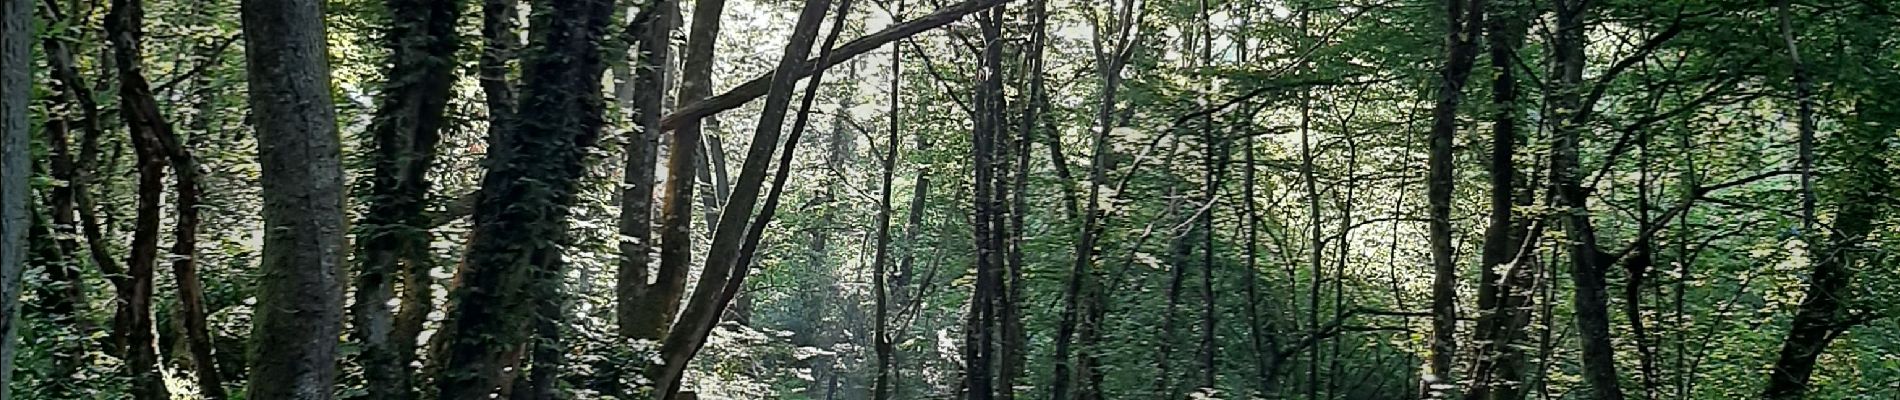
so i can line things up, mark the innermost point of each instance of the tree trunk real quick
(904, 293)
(1465, 23)
(394, 235)
(74, 92)
(882, 385)
(299, 297)
(16, 80)
(499, 22)
(1007, 234)
(1591, 303)
(1215, 162)
(1180, 250)
(125, 25)
(980, 339)
(1502, 291)
(1858, 186)
(718, 282)
(1081, 289)
(662, 298)
(643, 94)
(67, 301)
(185, 266)
(531, 180)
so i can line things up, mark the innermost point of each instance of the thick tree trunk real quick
(1466, 21)
(16, 79)
(394, 238)
(532, 179)
(300, 296)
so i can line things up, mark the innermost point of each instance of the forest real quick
(949, 199)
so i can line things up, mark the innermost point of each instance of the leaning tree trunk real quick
(394, 234)
(75, 93)
(660, 300)
(66, 298)
(300, 295)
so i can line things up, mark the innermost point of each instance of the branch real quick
(758, 86)
(1603, 82)
(213, 58)
(1622, 145)
(1699, 193)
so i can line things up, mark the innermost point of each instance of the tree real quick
(15, 78)
(1861, 184)
(526, 193)
(149, 131)
(1588, 267)
(718, 280)
(393, 237)
(1503, 283)
(1465, 22)
(300, 297)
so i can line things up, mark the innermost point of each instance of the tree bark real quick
(884, 283)
(718, 282)
(74, 92)
(532, 179)
(1504, 278)
(676, 221)
(1588, 268)
(1006, 232)
(300, 296)
(979, 346)
(394, 237)
(68, 302)
(1859, 186)
(16, 79)
(149, 130)
(1080, 291)
(642, 95)
(1465, 23)
(1215, 163)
